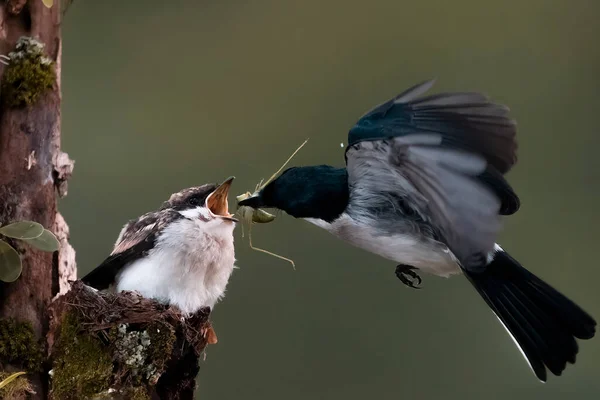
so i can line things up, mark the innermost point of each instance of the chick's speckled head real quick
(208, 199)
(190, 197)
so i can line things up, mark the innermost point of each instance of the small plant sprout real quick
(11, 378)
(15, 385)
(250, 216)
(29, 232)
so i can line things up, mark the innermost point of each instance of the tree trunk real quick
(32, 168)
(91, 344)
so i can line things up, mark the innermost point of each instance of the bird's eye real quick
(193, 201)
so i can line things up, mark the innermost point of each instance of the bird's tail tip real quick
(543, 322)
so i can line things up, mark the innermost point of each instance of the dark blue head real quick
(306, 192)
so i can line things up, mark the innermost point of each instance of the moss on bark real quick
(123, 346)
(19, 346)
(82, 365)
(29, 74)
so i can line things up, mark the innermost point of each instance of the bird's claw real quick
(408, 276)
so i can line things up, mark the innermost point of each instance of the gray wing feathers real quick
(437, 182)
(463, 209)
(414, 92)
(471, 122)
(445, 156)
(406, 96)
(465, 120)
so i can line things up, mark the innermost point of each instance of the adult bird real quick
(182, 254)
(424, 187)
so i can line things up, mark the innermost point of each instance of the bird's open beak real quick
(216, 202)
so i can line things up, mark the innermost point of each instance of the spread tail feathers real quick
(542, 321)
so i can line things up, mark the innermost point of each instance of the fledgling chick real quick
(181, 254)
(424, 186)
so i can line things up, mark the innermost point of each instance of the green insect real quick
(255, 215)
(250, 215)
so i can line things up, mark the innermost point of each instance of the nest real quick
(134, 343)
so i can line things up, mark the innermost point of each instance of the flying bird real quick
(424, 187)
(182, 254)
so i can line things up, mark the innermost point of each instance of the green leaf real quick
(11, 378)
(48, 3)
(22, 230)
(45, 242)
(10, 263)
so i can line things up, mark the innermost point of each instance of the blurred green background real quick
(162, 95)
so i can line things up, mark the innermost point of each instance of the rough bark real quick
(32, 168)
(33, 309)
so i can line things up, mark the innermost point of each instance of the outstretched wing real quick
(448, 152)
(135, 240)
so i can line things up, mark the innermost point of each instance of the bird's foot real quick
(209, 334)
(408, 276)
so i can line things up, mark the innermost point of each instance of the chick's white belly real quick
(188, 271)
(426, 255)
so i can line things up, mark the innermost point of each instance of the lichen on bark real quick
(28, 75)
(120, 345)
